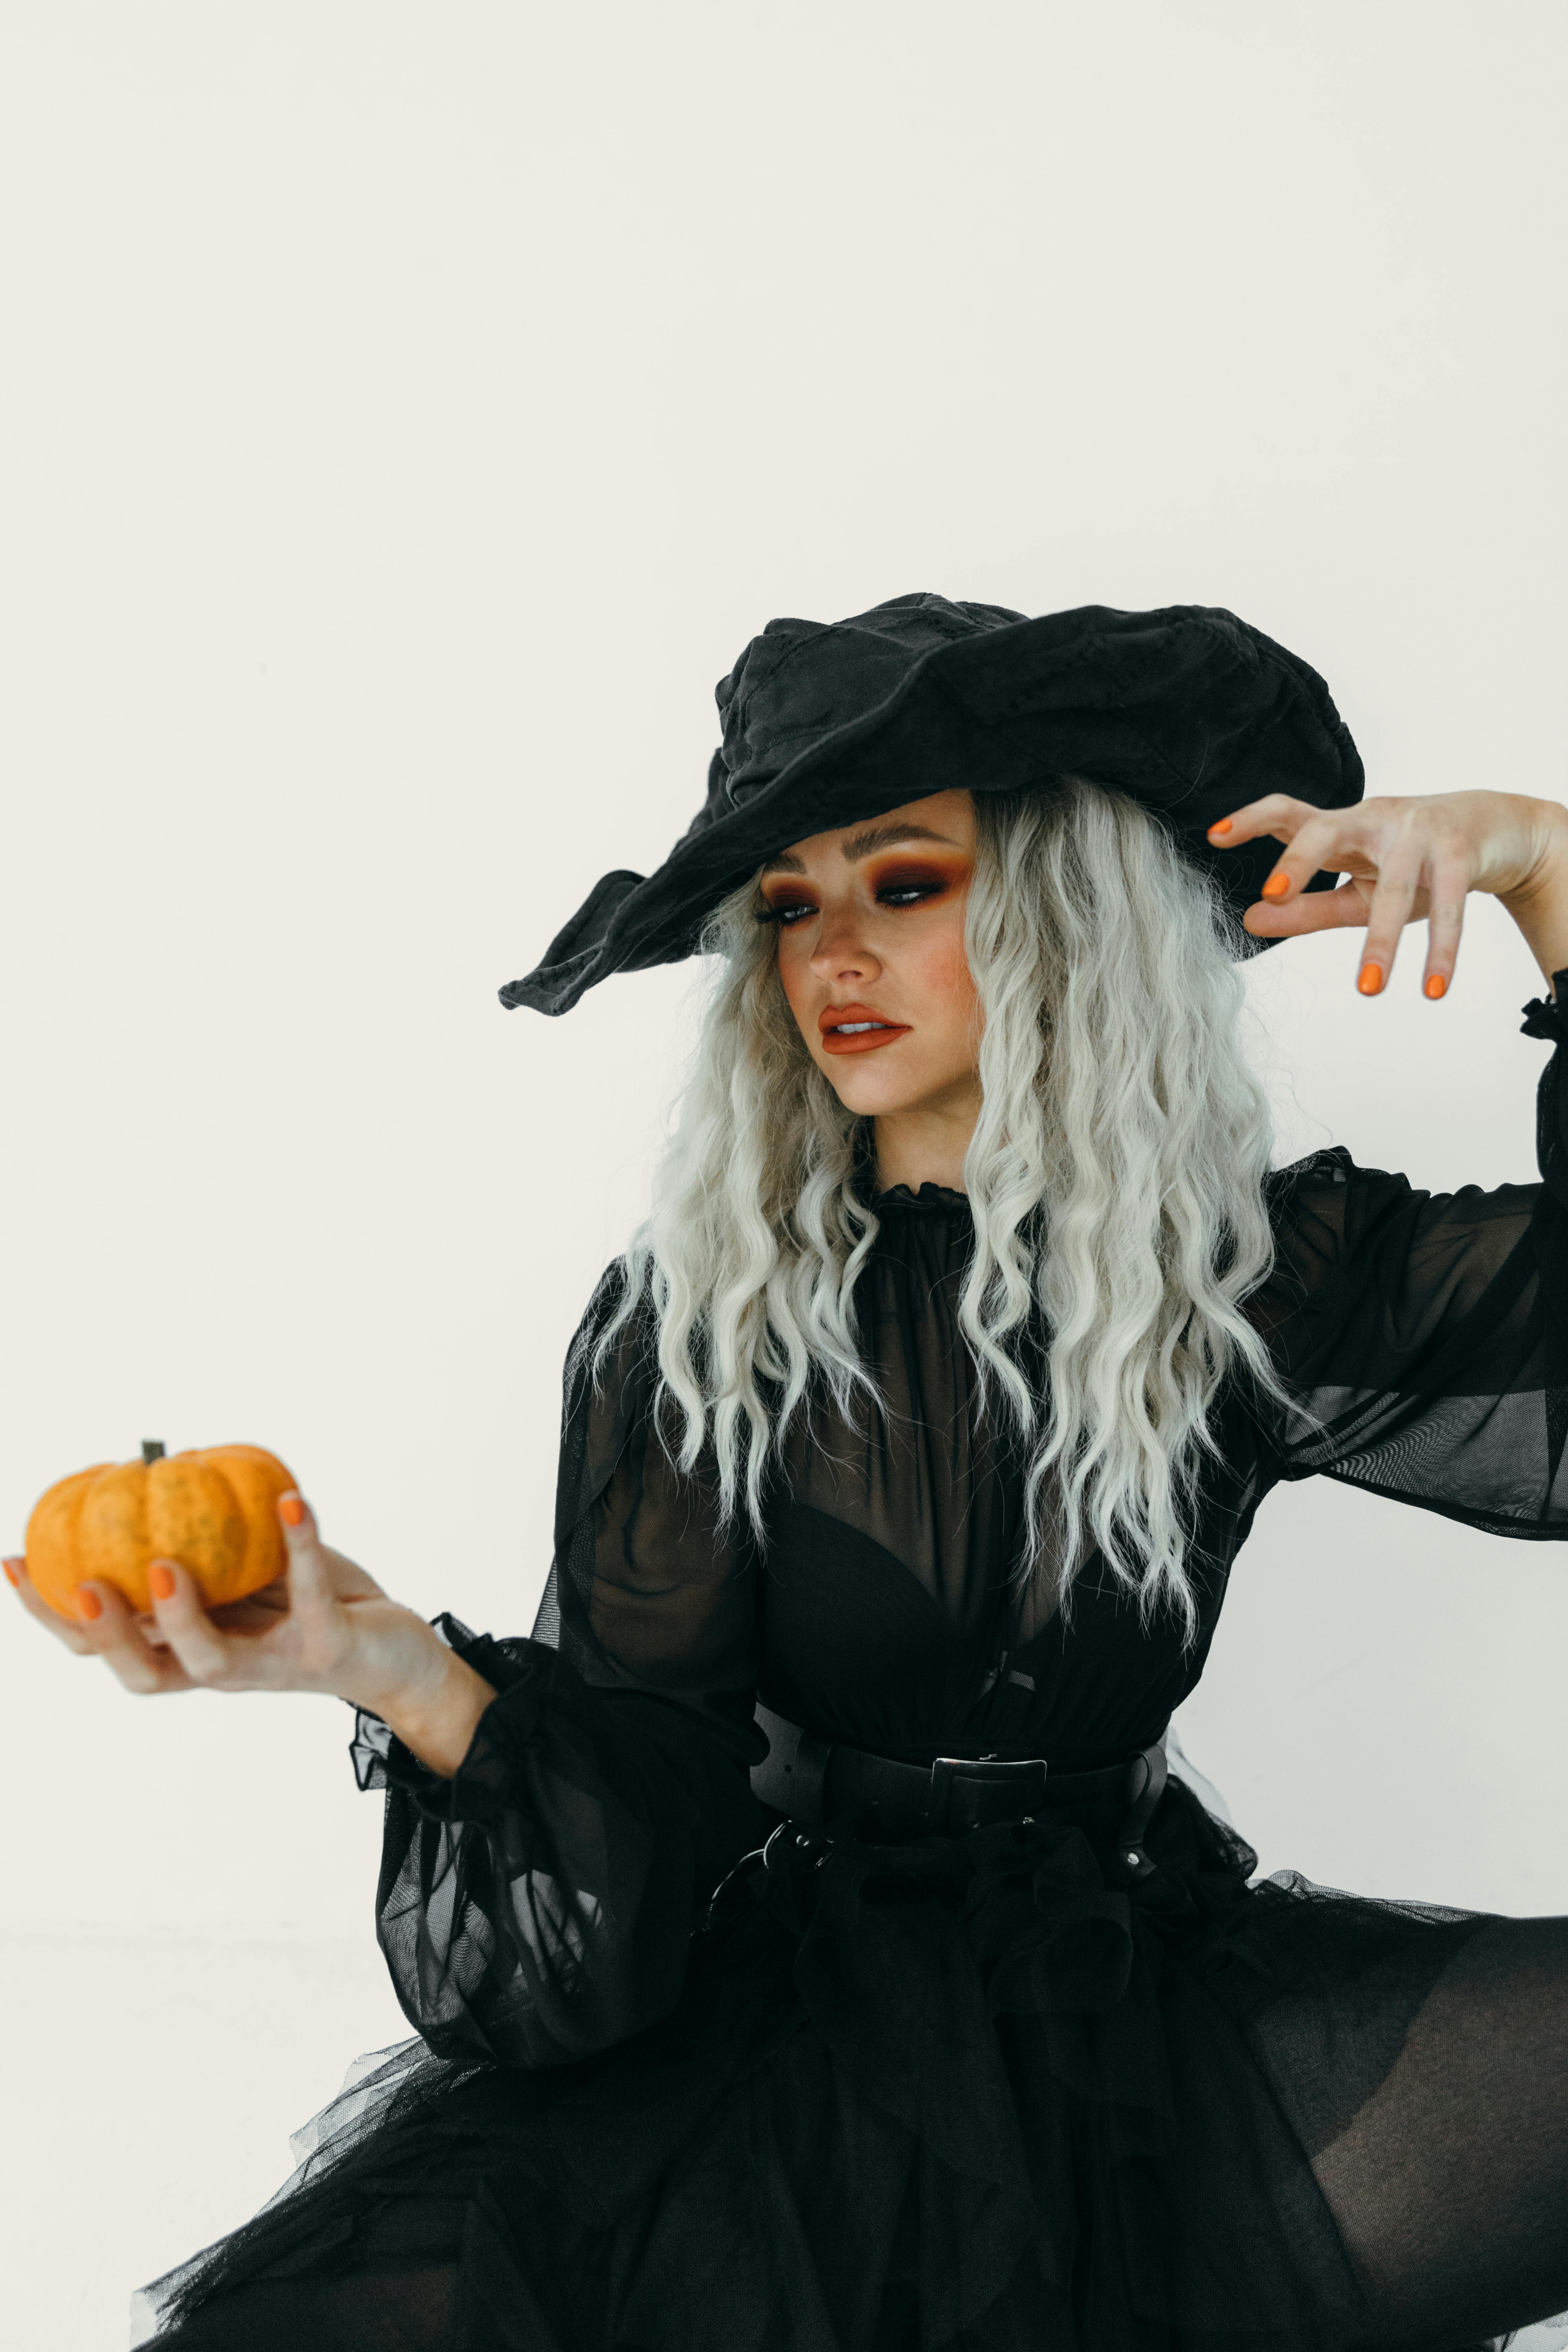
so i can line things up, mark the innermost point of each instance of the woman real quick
(808, 1946)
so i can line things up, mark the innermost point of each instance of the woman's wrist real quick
(1539, 905)
(435, 1709)
(439, 1729)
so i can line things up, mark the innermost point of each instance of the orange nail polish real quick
(162, 1581)
(1436, 986)
(1277, 885)
(1224, 826)
(291, 1510)
(88, 1604)
(13, 1570)
(1371, 979)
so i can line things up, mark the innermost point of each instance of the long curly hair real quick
(1116, 1180)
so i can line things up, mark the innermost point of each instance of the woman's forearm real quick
(1540, 907)
(436, 1718)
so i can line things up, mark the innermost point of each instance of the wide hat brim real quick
(1188, 711)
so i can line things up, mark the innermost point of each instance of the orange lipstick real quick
(858, 1029)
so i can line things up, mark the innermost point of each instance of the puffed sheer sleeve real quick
(1422, 1334)
(538, 1907)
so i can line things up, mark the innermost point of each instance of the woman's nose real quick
(841, 953)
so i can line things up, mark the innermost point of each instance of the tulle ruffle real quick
(967, 2092)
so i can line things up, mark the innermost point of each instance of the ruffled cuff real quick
(487, 1782)
(1547, 1016)
(381, 1761)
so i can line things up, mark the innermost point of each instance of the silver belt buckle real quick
(952, 1809)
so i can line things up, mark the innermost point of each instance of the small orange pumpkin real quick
(214, 1511)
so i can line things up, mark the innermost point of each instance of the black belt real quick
(821, 1783)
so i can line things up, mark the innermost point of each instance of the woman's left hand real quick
(1409, 861)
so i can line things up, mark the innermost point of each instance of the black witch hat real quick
(1188, 711)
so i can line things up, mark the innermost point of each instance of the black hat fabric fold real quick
(1187, 709)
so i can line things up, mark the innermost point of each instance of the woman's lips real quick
(858, 1029)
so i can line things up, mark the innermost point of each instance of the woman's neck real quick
(927, 1145)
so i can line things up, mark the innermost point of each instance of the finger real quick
(1310, 848)
(1393, 903)
(1445, 922)
(201, 1649)
(1275, 815)
(110, 1630)
(311, 1590)
(63, 1628)
(1311, 910)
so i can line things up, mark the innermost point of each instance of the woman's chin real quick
(872, 1093)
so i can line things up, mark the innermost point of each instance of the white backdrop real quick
(409, 414)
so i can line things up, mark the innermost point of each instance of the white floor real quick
(149, 2086)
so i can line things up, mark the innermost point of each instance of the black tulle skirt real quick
(968, 2092)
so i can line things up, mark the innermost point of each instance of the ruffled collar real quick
(930, 1196)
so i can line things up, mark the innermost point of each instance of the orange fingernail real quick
(1371, 979)
(162, 1581)
(1277, 885)
(1436, 986)
(13, 1570)
(291, 1510)
(1223, 825)
(88, 1604)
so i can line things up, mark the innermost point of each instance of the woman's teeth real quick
(854, 1028)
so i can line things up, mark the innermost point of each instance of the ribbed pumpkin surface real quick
(214, 1510)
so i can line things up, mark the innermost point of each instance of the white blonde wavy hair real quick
(1116, 1179)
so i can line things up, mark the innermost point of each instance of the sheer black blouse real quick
(539, 1906)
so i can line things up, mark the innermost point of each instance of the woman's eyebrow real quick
(870, 838)
(882, 836)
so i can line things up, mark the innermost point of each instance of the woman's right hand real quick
(323, 1626)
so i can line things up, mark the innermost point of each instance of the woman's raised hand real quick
(1411, 860)
(323, 1626)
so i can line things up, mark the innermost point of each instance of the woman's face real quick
(870, 945)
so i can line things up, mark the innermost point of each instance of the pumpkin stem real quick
(151, 1449)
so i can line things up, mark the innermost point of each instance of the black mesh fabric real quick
(974, 2091)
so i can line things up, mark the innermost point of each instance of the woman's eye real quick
(786, 914)
(898, 892)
